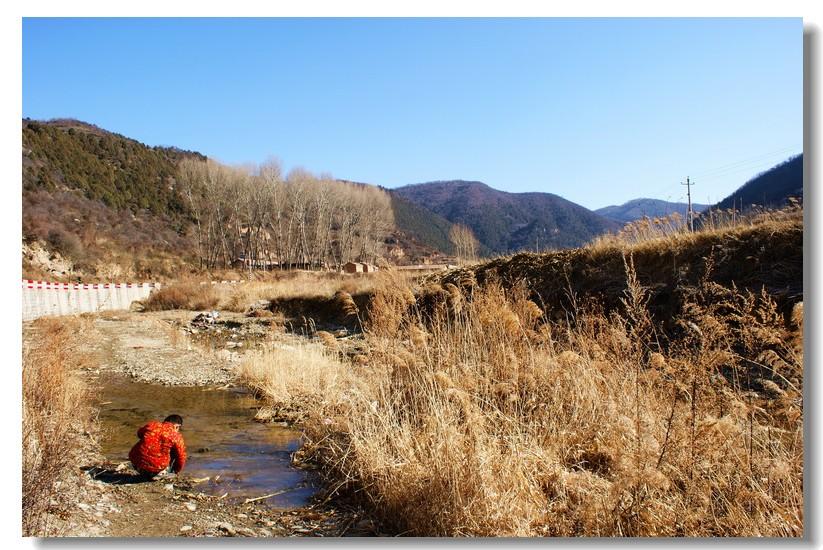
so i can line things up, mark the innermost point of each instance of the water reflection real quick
(251, 459)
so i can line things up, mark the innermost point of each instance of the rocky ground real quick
(108, 504)
(166, 348)
(150, 347)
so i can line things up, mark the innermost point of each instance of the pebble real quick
(242, 516)
(169, 486)
(185, 528)
(191, 506)
(227, 528)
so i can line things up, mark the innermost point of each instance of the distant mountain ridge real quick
(771, 188)
(508, 222)
(653, 208)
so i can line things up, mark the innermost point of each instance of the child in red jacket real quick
(161, 445)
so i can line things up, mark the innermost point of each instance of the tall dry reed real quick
(55, 414)
(474, 414)
(482, 418)
(673, 229)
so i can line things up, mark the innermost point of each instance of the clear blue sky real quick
(598, 111)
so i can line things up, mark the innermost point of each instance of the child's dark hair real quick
(174, 419)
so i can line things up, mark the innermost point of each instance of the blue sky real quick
(598, 111)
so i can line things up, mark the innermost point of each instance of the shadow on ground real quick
(112, 476)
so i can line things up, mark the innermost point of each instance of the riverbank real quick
(154, 351)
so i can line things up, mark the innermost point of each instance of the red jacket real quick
(159, 444)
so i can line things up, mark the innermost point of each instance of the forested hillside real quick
(771, 189)
(104, 203)
(509, 222)
(421, 225)
(120, 172)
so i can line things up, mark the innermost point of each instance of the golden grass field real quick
(475, 413)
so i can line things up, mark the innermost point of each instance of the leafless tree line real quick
(465, 243)
(263, 219)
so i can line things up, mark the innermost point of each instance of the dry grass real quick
(673, 230)
(474, 413)
(200, 294)
(296, 378)
(190, 295)
(751, 256)
(55, 413)
(297, 284)
(485, 420)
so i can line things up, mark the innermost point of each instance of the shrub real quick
(65, 243)
(188, 295)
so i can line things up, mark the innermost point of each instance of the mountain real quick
(652, 208)
(121, 172)
(419, 231)
(108, 205)
(102, 201)
(507, 222)
(771, 188)
(419, 225)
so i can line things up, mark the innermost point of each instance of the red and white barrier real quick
(41, 298)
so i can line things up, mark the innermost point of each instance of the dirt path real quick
(153, 348)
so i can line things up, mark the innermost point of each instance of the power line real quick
(753, 170)
(757, 159)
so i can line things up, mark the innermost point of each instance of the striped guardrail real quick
(42, 298)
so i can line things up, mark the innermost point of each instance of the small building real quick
(353, 267)
(369, 268)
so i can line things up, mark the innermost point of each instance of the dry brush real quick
(474, 413)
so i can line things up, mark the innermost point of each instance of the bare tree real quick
(257, 215)
(464, 241)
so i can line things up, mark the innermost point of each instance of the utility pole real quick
(688, 185)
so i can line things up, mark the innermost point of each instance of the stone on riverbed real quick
(227, 528)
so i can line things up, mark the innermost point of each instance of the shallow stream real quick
(250, 458)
